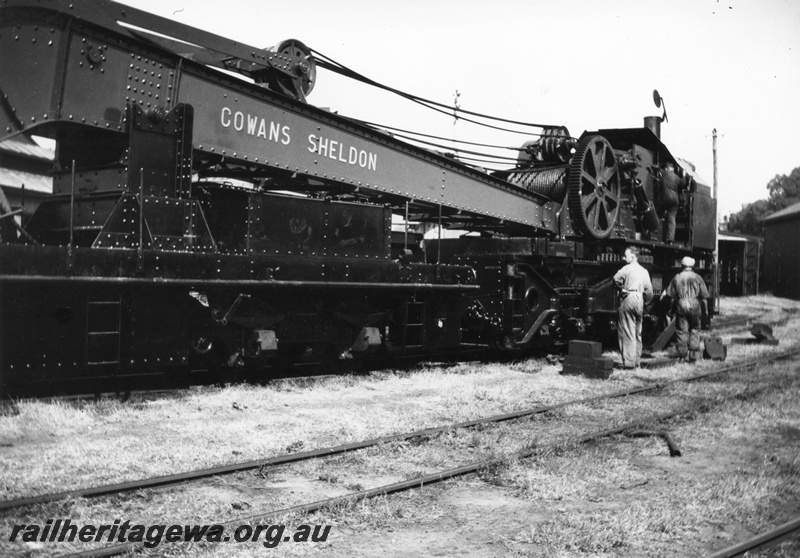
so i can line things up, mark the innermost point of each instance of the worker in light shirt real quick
(635, 290)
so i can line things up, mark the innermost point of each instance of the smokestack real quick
(653, 123)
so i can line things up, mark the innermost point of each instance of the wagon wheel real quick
(594, 191)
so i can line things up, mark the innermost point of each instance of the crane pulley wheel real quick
(299, 67)
(594, 187)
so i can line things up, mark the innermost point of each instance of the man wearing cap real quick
(689, 296)
(635, 290)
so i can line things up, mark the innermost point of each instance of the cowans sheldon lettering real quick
(275, 131)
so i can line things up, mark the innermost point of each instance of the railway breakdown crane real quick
(206, 220)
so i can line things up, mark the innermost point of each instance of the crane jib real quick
(323, 146)
(104, 71)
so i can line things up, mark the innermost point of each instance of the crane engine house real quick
(205, 225)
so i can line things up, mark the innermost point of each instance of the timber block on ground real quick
(606, 363)
(761, 331)
(585, 349)
(598, 368)
(754, 341)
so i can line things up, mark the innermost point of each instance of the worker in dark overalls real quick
(669, 200)
(635, 290)
(689, 296)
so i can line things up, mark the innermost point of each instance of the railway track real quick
(188, 476)
(631, 427)
(761, 541)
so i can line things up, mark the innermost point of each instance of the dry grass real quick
(565, 501)
(740, 474)
(561, 475)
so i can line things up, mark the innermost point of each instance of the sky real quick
(729, 65)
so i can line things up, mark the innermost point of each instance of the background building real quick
(740, 263)
(25, 174)
(782, 252)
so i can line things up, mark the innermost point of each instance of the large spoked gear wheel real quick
(594, 187)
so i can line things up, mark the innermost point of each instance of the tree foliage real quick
(784, 190)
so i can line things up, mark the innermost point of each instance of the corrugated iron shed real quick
(27, 148)
(23, 162)
(782, 252)
(793, 211)
(11, 178)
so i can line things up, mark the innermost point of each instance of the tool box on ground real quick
(715, 349)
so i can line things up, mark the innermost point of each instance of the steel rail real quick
(420, 482)
(166, 480)
(770, 537)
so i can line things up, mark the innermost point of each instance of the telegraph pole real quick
(716, 222)
(714, 151)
